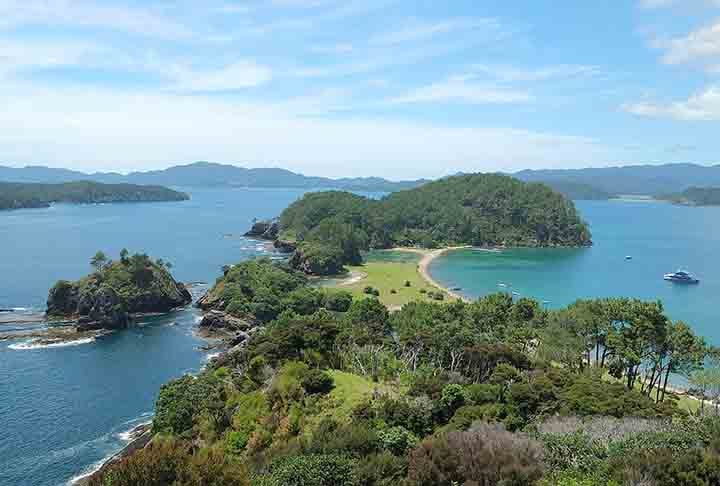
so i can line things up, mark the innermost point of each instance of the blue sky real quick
(400, 89)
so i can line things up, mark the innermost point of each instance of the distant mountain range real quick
(207, 174)
(633, 179)
(591, 183)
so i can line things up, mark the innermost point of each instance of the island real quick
(327, 230)
(18, 195)
(695, 196)
(116, 291)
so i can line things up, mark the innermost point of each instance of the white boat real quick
(681, 276)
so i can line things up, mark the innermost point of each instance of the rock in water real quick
(266, 230)
(108, 298)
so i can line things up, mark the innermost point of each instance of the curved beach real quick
(423, 267)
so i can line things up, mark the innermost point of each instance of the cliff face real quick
(108, 298)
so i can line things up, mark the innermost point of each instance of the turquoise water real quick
(64, 409)
(660, 238)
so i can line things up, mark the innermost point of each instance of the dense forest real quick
(331, 229)
(696, 196)
(16, 195)
(578, 191)
(495, 392)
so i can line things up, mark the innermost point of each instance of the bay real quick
(660, 238)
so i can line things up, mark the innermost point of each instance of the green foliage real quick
(168, 461)
(331, 228)
(317, 382)
(397, 440)
(337, 300)
(311, 470)
(182, 401)
(16, 195)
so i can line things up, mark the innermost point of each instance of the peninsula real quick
(17, 195)
(696, 196)
(327, 230)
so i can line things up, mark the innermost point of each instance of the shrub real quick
(407, 283)
(317, 381)
(397, 440)
(382, 469)
(486, 454)
(170, 462)
(181, 400)
(423, 291)
(393, 291)
(311, 470)
(338, 301)
(369, 290)
(331, 437)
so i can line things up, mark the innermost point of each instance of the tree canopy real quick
(331, 228)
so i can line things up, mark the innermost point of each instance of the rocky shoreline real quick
(140, 437)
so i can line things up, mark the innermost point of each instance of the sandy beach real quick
(427, 258)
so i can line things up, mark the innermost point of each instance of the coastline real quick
(428, 256)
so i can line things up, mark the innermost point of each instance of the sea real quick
(635, 244)
(64, 409)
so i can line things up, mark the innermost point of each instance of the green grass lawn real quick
(387, 271)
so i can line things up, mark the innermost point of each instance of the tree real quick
(99, 261)
(124, 253)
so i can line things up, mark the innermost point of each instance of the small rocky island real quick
(115, 291)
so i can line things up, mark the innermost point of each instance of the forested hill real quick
(696, 196)
(208, 174)
(332, 228)
(16, 195)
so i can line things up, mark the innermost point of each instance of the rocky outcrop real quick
(285, 246)
(108, 299)
(216, 320)
(266, 230)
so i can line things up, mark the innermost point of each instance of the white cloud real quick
(239, 75)
(90, 14)
(703, 106)
(461, 89)
(515, 74)
(701, 44)
(417, 31)
(16, 56)
(125, 131)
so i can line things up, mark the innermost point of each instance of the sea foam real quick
(33, 344)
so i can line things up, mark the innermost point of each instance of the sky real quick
(394, 88)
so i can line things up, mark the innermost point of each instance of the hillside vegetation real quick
(495, 392)
(110, 295)
(16, 195)
(696, 196)
(331, 229)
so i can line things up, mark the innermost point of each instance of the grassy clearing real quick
(387, 271)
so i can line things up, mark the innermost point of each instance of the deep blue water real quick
(660, 237)
(64, 409)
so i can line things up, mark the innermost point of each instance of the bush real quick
(369, 290)
(331, 437)
(170, 462)
(338, 301)
(383, 469)
(397, 440)
(181, 400)
(311, 470)
(423, 291)
(486, 454)
(407, 283)
(317, 381)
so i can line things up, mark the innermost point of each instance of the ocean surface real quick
(64, 409)
(659, 237)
